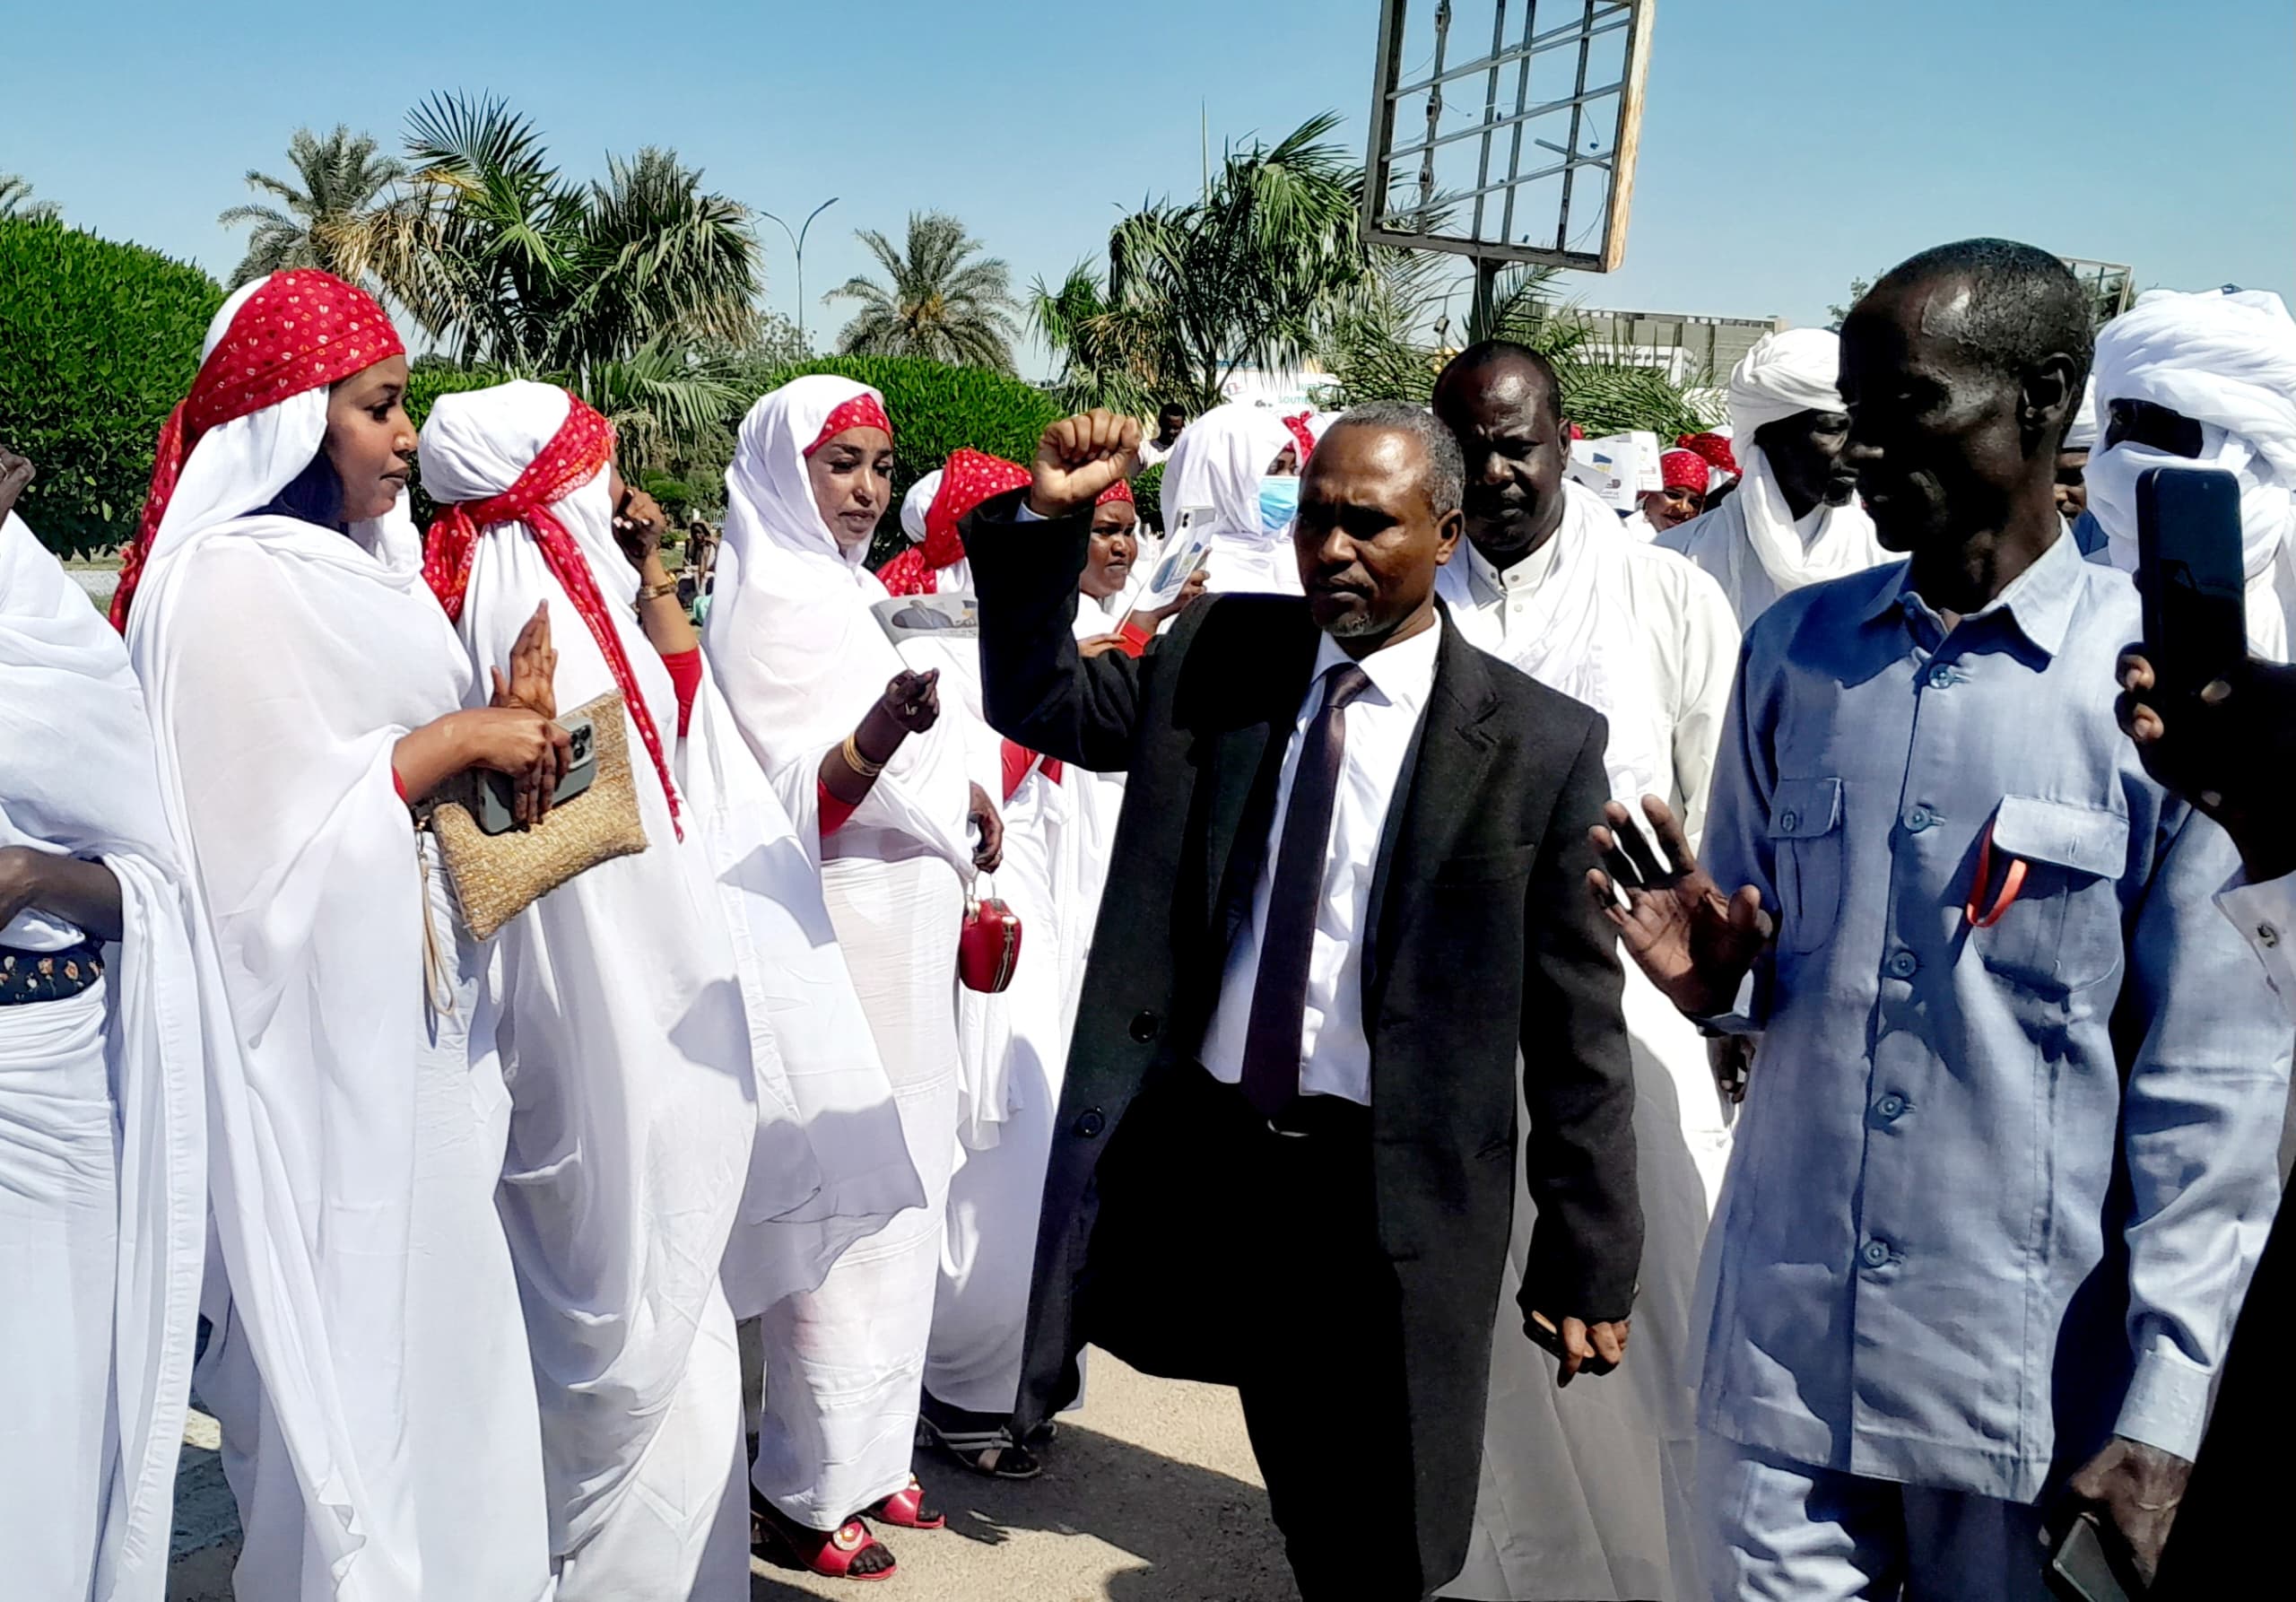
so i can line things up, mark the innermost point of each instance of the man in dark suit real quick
(1348, 883)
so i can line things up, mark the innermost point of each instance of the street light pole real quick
(797, 244)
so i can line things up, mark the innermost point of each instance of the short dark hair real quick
(1500, 353)
(1447, 467)
(2024, 305)
(1170, 409)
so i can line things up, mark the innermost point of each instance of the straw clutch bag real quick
(497, 875)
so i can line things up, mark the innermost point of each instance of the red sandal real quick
(905, 1509)
(827, 1552)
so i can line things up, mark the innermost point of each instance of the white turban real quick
(916, 503)
(2081, 433)
(2227, 359)
(1797, 370)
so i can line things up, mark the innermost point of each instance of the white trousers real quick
(59, 1227)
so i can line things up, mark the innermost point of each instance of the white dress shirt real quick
(2266, 915)
(1335, 1054)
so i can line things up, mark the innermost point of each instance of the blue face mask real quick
(1279, 503)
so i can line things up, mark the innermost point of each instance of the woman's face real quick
(1286, 464)
(852, 475)
(370, 441)
(1114, 547)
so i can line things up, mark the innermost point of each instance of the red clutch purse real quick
(989, 946)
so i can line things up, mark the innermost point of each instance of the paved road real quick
(1149, 1495)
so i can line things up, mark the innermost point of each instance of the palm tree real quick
(16, 200)
(332, 222)
(1103, 362)
(939, 303)
(1254, 271)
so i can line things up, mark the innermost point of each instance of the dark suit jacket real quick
(1481, 938)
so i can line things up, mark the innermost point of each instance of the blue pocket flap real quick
(2087, 840)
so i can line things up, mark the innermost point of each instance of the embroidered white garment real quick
(2227, 359)
(102, 1120)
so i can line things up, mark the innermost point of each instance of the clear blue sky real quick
(1789, 145)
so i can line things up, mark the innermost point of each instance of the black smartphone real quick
(1542, 1330)
(2190, 574)
(2083, 1569)
(497, 807)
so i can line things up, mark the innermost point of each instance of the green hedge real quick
(1148, 495)
(98, 341)
(935, 408)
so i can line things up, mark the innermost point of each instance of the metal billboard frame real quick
(1594, 19)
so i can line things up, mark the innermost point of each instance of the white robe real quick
(1757, 550)
(1215, 470)
(364, 1318)
(102, 1129)
(801, 660)
(1586, 1493)
(635, 1091)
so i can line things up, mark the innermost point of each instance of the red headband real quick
(863, 410)
(1119, 491)
(303, 329)
(1683, 469)
(575, 454)
(970, 478)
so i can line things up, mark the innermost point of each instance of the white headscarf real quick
(1784, 375)
(80, 778)
(281, 662)
(2081, 433)
(1218, 462)
(2227, 359)
(916, 503)
(800, 655)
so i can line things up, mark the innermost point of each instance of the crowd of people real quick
(1736, 1051)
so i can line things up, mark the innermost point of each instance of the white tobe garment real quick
(2228, 361)
(316, 1082)
(102, 1125)
(317, 1122)
(635, 1093)
(1218, 462)
(801, 660)
(1586, 1494)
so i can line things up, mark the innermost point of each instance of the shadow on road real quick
(1200, 1535)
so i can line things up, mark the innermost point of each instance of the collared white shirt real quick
(2266, 915)
(1335, 1053)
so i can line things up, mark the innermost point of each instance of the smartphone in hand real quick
(2192, 576)
(2083, 1567)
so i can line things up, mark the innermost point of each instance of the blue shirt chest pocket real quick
(2063, 933)
(1806, 844)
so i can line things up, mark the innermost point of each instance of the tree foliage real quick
(941, 299)
(330, 215)
(98, 342)
(1252, 272)
(16, 200)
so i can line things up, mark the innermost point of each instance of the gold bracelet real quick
(655, 592)
(860, 764)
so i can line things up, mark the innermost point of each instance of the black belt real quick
(1325, 1118)
(30, 976)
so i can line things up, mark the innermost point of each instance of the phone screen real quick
(2191, 575)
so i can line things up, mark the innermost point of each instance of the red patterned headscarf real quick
(1714, 448)
(970, 477)
(1119, 491)
(303, 329)
(863, 410)
(1302, 433)
(1683, 470)
(577, 454)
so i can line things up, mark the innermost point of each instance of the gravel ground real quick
(1149, 1495)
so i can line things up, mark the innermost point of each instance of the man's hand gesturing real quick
(1695, 943)
(1078, 458)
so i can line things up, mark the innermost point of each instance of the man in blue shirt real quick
(2008, 1155)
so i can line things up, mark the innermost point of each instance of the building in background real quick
(1693, 351)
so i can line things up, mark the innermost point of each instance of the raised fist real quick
(1078, 458)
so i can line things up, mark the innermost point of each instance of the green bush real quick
(98, 341)
(1148, 495)
(429, 377)
(935, 408)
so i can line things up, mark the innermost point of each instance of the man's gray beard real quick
(1355, 625)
